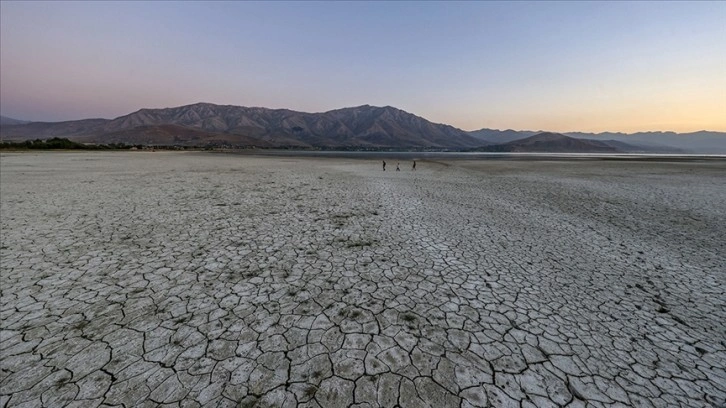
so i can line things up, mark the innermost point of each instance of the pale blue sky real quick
(561, 66)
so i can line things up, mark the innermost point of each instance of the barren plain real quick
(198, 279)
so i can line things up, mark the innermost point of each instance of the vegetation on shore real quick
(57, 143)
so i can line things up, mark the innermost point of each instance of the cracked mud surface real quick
(194, 279)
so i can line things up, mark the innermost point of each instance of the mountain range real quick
(10, 121)
(548, 142)
(701, 142)
(362, 127)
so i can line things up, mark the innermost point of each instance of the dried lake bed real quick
(201, 279)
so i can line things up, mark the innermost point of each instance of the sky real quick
(556, 66)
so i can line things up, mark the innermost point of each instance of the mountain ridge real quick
(365, 127)
(362, 126)
(4, 120)
(702, 142)
(550, 142)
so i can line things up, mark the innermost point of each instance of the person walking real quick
(414, 166)
(397, 166)
(384, 165)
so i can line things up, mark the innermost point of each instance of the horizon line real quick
(366, 105)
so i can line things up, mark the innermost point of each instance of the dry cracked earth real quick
(200, 279)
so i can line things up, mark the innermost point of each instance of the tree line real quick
(61, 143)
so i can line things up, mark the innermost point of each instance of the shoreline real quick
(411, 155)
(479, 155)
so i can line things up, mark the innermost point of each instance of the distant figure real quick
(397, 168)
(384, 165)
(414, 166)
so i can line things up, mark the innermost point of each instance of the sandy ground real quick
(188, 279)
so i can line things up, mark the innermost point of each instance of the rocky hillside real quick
(203, 123)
